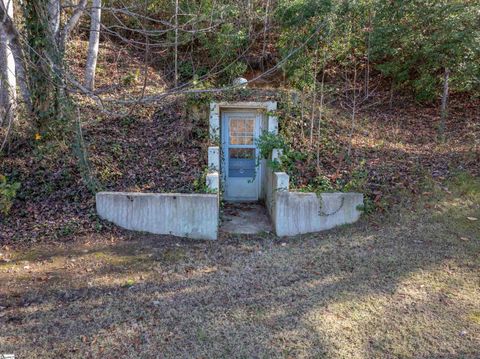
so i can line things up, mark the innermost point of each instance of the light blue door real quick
(240, 130)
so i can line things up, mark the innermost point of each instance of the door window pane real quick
(241, 162)
(241, 131)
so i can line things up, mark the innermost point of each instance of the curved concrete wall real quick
(184, 215)
(298, 213)
(295, 213)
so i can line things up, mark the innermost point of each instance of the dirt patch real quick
(245, 218)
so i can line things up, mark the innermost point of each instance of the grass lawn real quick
(406, 285)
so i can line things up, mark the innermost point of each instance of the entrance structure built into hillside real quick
(236, 173)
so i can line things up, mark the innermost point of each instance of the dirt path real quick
(405, 288)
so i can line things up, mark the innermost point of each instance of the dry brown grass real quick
(407, 288)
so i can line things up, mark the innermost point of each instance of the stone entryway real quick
(234, 163)
(245, 218)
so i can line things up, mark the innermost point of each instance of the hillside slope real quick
(163, 147)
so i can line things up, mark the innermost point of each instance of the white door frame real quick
(225, 116)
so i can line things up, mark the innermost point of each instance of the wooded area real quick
(376, 97)
(332, 64)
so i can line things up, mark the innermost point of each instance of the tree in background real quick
(427, 48)
(7, 72)
(343, 49)
(422, 46)
(93, 44)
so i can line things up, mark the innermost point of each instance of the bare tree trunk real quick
(71, 23)
(8, 82)
(265, 28)
(314, 99)
(20, 72)
(93, 44)
(354, 108)
(54, 18)
(367, 70)
(320, 111)
(302, 111)
(176, 43)
(444, 112)
(249, 17)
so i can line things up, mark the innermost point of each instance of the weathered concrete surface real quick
(184, 215)
(213, 182)
(245, 218)
(214, 158)
(214, 121)
(297, 213)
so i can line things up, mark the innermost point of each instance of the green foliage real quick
(289, 158)
(368, 206)
(323, 184)
(410, 42)
(225, 47)
(234, 70)
(413, 41)
(187, 71)
(218, 58)
(200, 98)
(8, 191)
(319, 185)
(128, 283)
(131, 77)
(358, 180)
(44, 83)
(268, 141)
(333, 31)
(466, 185)
(200, 183)
(298, 12)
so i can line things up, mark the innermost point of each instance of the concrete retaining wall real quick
(184, 215)
(295, 213)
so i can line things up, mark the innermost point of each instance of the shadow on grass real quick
(403, 290)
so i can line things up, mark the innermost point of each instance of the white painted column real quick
(214, 122)
(281, 181)
(214, 158)
(213, 182)
(272, 119)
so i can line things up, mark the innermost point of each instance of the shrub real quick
(268, 141)
(358, 180)
(8, 191)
